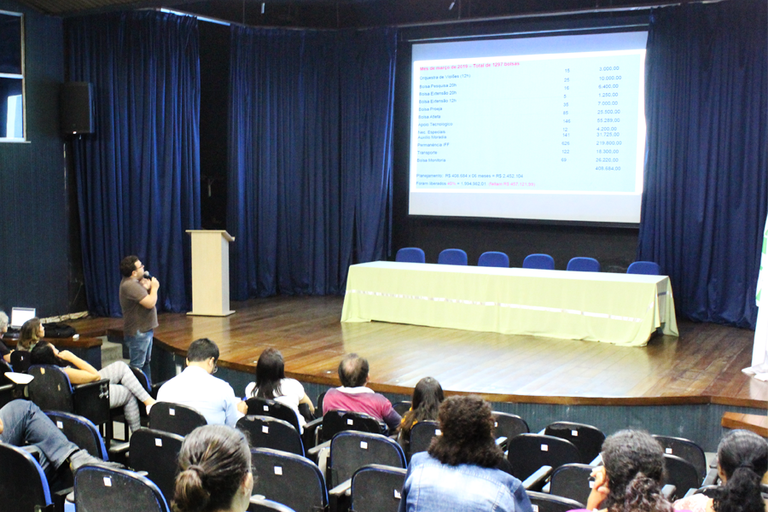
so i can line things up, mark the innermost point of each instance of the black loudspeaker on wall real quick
(76, 108)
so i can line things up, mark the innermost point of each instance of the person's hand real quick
(154, 284)
(66, 355)
(1, 426)
(242, 407)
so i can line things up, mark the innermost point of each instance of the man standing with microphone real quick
(138, 297)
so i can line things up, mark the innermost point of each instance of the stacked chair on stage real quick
(644, 267)
(540, 261)
(583, 264)
(452, 257)
(410, 255)
(493, 259)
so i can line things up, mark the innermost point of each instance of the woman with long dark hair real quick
(271, 383)
(631, 477)
(458, 472)
(124, 388)
(742, 460)
(425, 404)
(214, 471)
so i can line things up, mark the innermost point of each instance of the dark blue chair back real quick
(541, 261)
(24, 486)
(582, 264)
(410, 255)
(290, 479)
(493, 259)
(452, 257)
(98, 488)
(650, 268)
(81, 431)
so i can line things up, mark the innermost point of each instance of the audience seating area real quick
(500, 259)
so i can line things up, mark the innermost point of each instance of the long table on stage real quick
(624, 309)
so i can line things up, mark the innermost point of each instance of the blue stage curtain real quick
(138, 175)
(706, 180)
(310, 165)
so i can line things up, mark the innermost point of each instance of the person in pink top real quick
(354, 395)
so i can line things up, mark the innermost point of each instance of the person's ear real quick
(247, 484)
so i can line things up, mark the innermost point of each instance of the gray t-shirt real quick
(135, 316)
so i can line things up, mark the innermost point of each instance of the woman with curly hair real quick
(630, 479)
(742, 460)
(425, 403)
(214, 471)
(458, 472)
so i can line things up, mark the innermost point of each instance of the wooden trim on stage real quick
(702, 366)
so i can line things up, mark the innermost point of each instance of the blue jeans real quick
(140, 350)
(24, 423)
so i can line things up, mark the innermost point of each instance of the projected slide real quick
(551, 135)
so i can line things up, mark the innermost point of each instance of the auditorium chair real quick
(258, 406)
(493, 259)
(452, 257)
(176, 418)
(680, 473)
(116, 490)
(540, 261)
(156, 452)
(377, 488)
(506, 426)
(543, 502)
(268, 432)
(402, 407)
(81, 431)
(23, 486)
(410, 255)
(261, 504)
(571, 481)
(588, 439)
(421, 436)
(583, 264)
(644, 267)
(686, 449)
(290, 479)
(529, 452)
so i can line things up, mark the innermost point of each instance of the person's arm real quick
(83, 371)
(151, 299)
(392, 419)
(306, 400)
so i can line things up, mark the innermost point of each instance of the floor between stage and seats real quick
(703, 365)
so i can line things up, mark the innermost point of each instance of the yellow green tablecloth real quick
(624, 309)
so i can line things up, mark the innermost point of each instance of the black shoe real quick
(82, 457)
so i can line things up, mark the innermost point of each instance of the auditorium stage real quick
(702, 366)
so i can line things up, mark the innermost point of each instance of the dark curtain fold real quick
(138, 175)
(303, 203)
(704, 205)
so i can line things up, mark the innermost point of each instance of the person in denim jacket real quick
(458, 473)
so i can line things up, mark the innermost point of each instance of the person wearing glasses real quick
(138, 298)
(196, 387)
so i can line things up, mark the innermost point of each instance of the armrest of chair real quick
(669, 491)
(711, 478)
(60, 496)
(313, 453)
(538, 478)
(501, 442)
(155, 387)
(339, 497)
(597, 461)
(311, 433)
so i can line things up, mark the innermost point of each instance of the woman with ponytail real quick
(214, 471)
(630, 479)
(742, 460)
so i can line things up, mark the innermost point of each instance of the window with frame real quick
(11, 77)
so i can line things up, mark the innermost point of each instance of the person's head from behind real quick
(742, 460)
(3, 322)
(31, 331)
(630, 479)
(214, 471)
(203, 353)
(45, 353)
(353, 371)
(270, 370)
(425, 402)
(466, 424)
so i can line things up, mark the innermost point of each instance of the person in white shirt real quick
(272, 384)
(196, 386)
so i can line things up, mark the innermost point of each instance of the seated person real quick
(196, 387)
(31, 332)
(355, 396)
(214, 479)
(742, 460)
(124, 388)
(5, 352)
(458, 472)
(23, 423)
(425, 403)
(631, 477)
(272, 384)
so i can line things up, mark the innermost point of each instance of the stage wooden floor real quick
(702, 366)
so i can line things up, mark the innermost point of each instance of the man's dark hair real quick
(353, 371)
(202, 349)
(466, 424)
(128, 265)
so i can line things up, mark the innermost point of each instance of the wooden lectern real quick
(210, 272)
